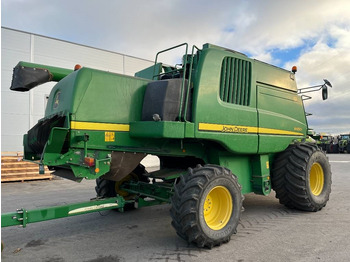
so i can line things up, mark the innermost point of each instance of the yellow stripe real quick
(99, 126)
(244, 129)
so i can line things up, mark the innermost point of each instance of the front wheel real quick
(302, 178)
(206, 206)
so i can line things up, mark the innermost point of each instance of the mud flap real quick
(123, 163)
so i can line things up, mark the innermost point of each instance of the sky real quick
(314, 35)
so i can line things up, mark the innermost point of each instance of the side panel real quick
(281, 113)
(109, 98)
(281, 118)
(232, 125)
(241, 166)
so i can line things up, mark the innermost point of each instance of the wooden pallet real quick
(13, 168)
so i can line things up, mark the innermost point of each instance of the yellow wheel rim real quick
(117, 185)
(218, 208)
(316, 179)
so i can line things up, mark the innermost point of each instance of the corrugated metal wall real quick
(20, 111)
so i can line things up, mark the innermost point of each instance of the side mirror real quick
(325, 89)
(324, 92)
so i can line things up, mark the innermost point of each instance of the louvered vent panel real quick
(235, 81)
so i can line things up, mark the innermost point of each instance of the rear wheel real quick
(206, 206)
(301, 177)
(107, 188)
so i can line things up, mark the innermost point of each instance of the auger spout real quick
(29, 75)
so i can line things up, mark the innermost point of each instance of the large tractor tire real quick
(105, 188)
(206, 206)
(329, 148)
(302, 178)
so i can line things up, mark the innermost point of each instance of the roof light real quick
(77, 67)
(294, 69)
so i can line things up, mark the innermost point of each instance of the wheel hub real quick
(218, 208)
(316, 179)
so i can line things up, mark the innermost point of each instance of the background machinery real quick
(344, 143)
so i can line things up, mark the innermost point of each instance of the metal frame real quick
(22, 216)
(154, 193)
(313, 89)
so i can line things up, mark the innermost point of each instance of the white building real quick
(20, 111)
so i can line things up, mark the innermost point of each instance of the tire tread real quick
(289, 177)
(185, 201)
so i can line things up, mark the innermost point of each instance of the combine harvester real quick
(222, 124)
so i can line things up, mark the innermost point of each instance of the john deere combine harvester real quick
(222, 124)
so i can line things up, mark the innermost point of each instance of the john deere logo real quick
(56, 100)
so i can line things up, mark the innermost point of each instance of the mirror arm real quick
(310, 89)
(305, 97)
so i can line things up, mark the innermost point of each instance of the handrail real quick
(189, 81)
(184, 95)
(168, 49)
